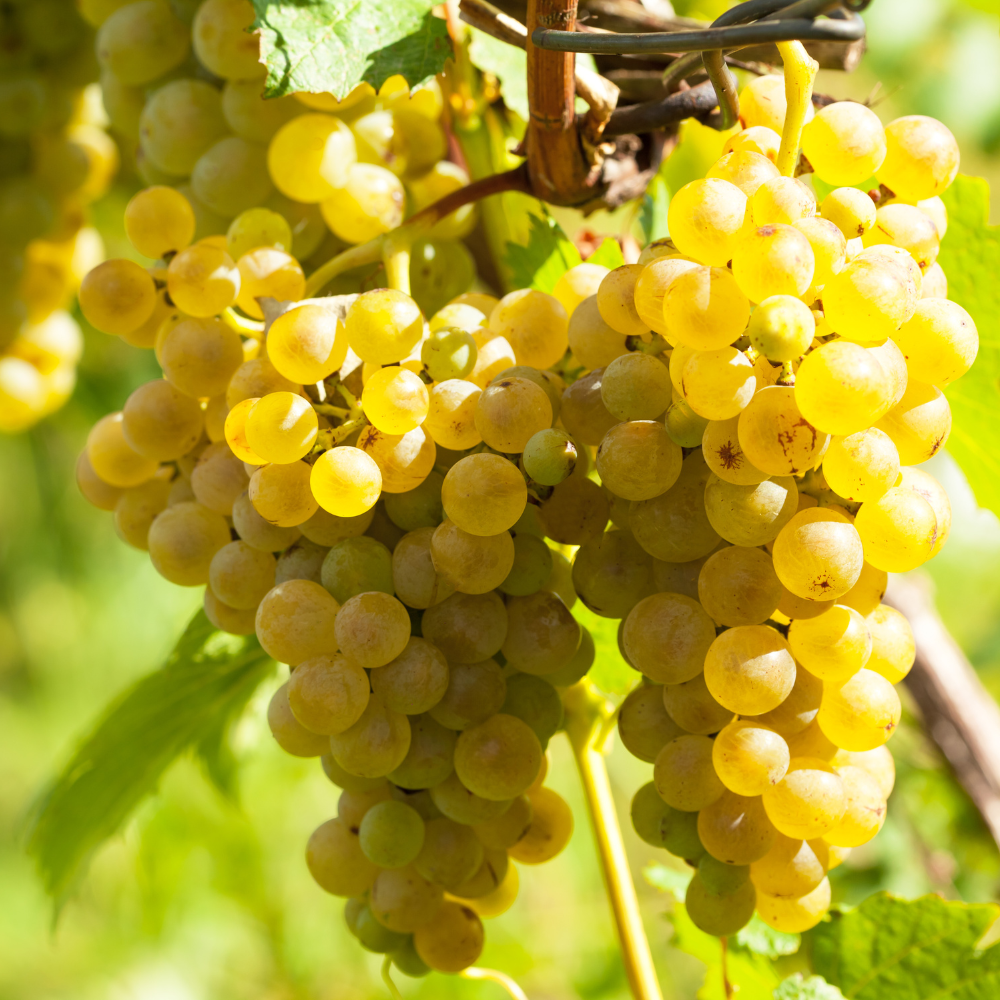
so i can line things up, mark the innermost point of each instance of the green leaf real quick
(894, 949)
(185, 705)
(813, 988)
(761, 939)
(508, 64)
(653, 213)
(970, 256)
(610, 672)
(668, 879)
(333, 45)
(546, 257)
(608, 254)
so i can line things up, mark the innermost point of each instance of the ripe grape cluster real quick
(55, 159)
(809, 346)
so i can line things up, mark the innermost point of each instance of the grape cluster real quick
(804, 347)
(55, 159)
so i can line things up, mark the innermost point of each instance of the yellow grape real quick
(749, 669)
(774, 259)
(829, 249)
(307, 343)
(905, 226)
(281, 427)
(371, 202)
(203, 280)
(867, 300)
(472, 564)
(236, 432)
(818, 555)
(878, 763)
(791, 868)
(782, 327)
(935, 283)
(383, 326)
(899, 530)
(808, 802)
(738, 586)
(510, 411)
(281, 494)
(113, 458)
(636, 386)
(616, 304)
(725, 457)
(159, 220)
(255, 377)
(117, 296)
(376, 744)
(499, 758)
(746, 169)
(861, 713)
(850, 210)
(310, 156)
(755, 139)
(691, 707)
(550, 830)
(720, 913)
(919, 424)
(684, 774)
(643, 723)
(345, 481)
(840, 388)
(763, 103)
(844, 143)
(776, 436)
(577, 284)
(182, 541)
(934, 493)
(534, 324)
(636, 460)
(749, 757)
(865, 812)
(593, 342)
(160, 422)
(484, 494)
(704, 308)
(794, 915)
(921, 158)
(749, 515)
(718, 384)
(395, 400)
(861, 466)
(651, 285)
(939, 341)
(451, 414)
(542, 636)
(866, 595)
(201, 357)
(812, 742)
(404, 460)
(268, 272)
(833, 645)
(782, 200)
(735, 829)
(666, 637)
(705, 219)
(799, 709)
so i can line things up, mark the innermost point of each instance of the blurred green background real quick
(203, 899)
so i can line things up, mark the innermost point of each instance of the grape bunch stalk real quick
(405, 510)
(55, 160)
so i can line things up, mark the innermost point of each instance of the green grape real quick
(295, 621)
(303, 561)
(666, 637)
(428, 762)
(721, 879)
(353, 805)
(861, 466)
(369, 203)
(117, 296)
(505, 830)
(775, 259)
(919, 424)
(799, 709)
(705, 219)
(475, 692)
(637, 460)
(650, 815)
(583, 413)
(415, 681)
(141, 41)
(893, 649)
(651, 286)
(611, 574)
(575, 513)
(845, 143)
(182, 541)
(749, 669)
(356, 565)
(865, 812)
(483, 494)
(744, 168)
(372, 628)
(222, 42)
(534, 324)
(376, 744)
(577, 284)
(756, 139)
(452, 941)
(868, 300)
(550, 830)
(921, 158)
(420, 507)
(684, 775)
(684, 426)
(738, 586)
(532, 567)
(782, 327)
(550, 456)
(391, 834)
(898, 530)
(735, 829)
(509, 412)
(940, 341)
(179, 122)
(636, 386)
(724, 455)
(137, 508)
(456, 802)
(498, 758)
(749, 757)
(488, 878)
(402, 900)
(416, 582)
(850, 210)
(231, 176)
(383, 326)
(467, 628)
(643, 723)
(791, 868)
(373, 936)
(808, 802)
(577, 667)
(705, 309)
(719, 914)
(252, 118)
(336, 861)
(160, 422)
(691, 706)
(542, 634)
(818, 554)
(158, 221)
(240, 576)
(472, 564)
(449, 352)
(409, 962)
(288, 732)
(442, 179)
(782, 201)
(534, 701)
(750, 515)
(311, 156)
(451, 853)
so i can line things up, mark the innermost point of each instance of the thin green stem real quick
(495, 976)
(364, 253)
(247, 327)
(387, 979)
(396, 248)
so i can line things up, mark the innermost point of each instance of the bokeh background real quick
(207, 899)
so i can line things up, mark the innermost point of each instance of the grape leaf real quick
(761, 939)
(333, 45)
(508, 64)
(813, 988)
(668, 879)
(188, 704)
(970, 256)
(546, 257)
(922, 949)
(653, 213)
(608, 254)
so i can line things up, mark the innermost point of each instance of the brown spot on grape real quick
(730, 457)
(937, 444)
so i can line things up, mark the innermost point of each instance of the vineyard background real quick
(207, 899)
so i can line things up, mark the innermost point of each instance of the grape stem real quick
(387, 979)
(494, 976)
(589, 725)
(247, 327)
(800, 72)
